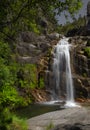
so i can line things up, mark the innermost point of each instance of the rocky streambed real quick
(77, 118)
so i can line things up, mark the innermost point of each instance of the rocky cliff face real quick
(81, 65)
(37, 50)
(31, 48)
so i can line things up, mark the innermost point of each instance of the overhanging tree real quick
(19, 15)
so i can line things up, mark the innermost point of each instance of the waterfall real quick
(63, 83)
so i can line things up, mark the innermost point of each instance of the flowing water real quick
(63, 83)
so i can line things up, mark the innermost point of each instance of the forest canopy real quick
(19, 15)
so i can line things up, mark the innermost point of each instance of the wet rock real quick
(80, 90)
(80, 61)
(81, 66)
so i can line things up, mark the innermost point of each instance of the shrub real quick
(5, 118)
(87, 52)
(5, 52)
(27, 76)
(18, 124)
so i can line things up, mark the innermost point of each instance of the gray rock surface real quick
(62, 120)
(30, 46)
(80, 66)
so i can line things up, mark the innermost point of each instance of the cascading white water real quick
(62, 72)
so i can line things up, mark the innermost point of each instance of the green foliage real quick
(27, 76)
(5, 118)
(42, 85)
(5, 52)
(50, 126)
(18, 124)
(21, 15)
(9, 96)
(87, 52)
(76, 24)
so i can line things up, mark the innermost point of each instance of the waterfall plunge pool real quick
(38, 109)
(43, 107)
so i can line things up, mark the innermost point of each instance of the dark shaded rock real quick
(80, 89)
(81, 66)
(75, 126)
(80, 60)
(88, 18)
(88, 42)
(73, 32)
(88, 9)
(44, 47)
(88, 27)
(43, 23)
(27, 37)
(89, 64)
(87, 52)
